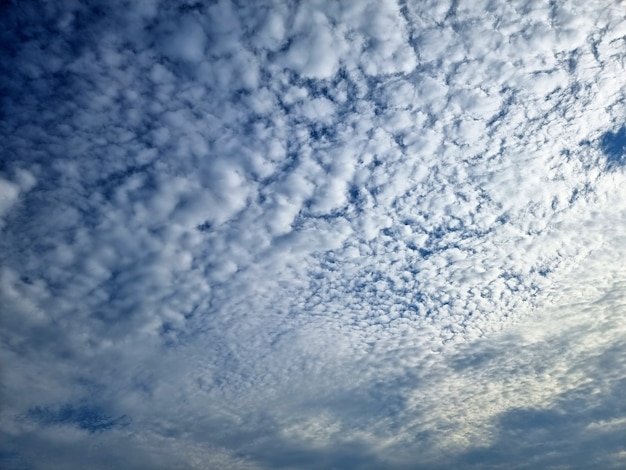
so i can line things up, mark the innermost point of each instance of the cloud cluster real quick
(312, 234)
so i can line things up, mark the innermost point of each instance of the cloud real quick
(311, 235)
(11, 190)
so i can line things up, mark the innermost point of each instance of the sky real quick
(316, 234)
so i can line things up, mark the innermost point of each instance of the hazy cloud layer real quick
(312, 234)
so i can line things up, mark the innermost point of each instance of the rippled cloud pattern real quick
(312, 235)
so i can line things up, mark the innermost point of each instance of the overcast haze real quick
(317, 234)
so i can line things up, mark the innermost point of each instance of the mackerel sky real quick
(315, 234)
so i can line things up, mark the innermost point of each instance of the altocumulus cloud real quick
(306, 235)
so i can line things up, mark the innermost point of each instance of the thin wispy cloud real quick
(312, 234)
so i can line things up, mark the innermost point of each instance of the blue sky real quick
(312, 235)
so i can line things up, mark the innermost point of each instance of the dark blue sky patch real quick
(613, 145)
(89, 418)
(475, 360)
(527, 419)
(10, 459)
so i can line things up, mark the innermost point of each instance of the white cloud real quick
(9, 193)
(186, 42)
